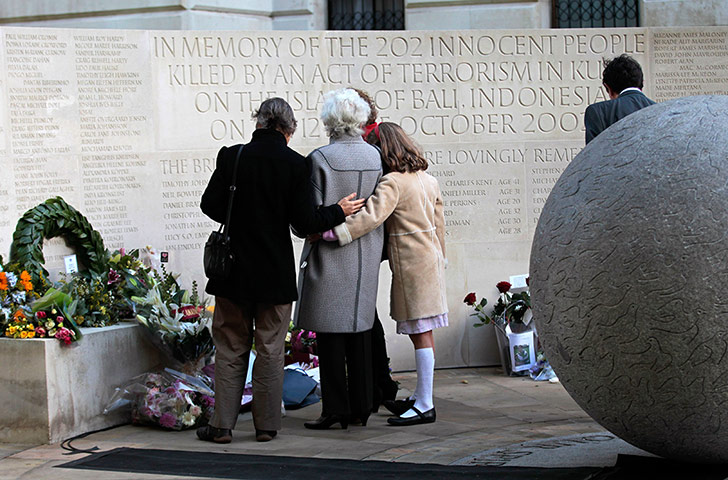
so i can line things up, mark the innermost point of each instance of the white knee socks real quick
(425, 361)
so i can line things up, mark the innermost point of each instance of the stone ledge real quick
(52, 392)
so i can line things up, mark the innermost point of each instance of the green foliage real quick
(55, 218)
(509, 309)
(57, 300)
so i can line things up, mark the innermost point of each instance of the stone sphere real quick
(629, 279)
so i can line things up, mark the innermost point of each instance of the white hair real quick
(344, 112)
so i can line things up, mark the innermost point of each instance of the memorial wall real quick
(125, 125)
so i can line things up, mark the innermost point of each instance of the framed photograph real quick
(522, 349)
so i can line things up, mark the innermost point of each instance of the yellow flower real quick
(23, 334)
(12, 329)
(31, 334)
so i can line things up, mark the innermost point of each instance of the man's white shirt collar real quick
(629, 89)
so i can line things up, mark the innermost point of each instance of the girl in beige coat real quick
(408, 201)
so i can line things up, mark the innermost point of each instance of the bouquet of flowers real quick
(16, 293)
(25, 314)
(169, 399)
(177, 322)
(301, 347)
(513, 309)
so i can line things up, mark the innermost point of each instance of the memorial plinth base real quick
(51, 392)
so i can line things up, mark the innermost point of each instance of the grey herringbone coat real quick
(337, 286)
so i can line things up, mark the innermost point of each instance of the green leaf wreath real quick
(55, 218)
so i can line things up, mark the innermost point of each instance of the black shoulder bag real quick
(219, 256)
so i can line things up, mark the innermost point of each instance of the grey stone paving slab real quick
(591, 450)
(472, 418)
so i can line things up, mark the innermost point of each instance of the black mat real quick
(253, 467)
(632, 467)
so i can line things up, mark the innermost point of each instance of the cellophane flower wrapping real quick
(177, 323)
(169, 399)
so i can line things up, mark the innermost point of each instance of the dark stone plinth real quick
(629, 278)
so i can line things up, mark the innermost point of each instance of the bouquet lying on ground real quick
(176, 322)
(169, 399)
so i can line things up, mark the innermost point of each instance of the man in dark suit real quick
(623, 79)
(273, 192)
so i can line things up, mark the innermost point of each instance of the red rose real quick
(503, 287)
(470, 299)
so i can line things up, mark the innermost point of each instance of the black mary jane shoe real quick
(426, 417)
(398, 407)
(326, 421)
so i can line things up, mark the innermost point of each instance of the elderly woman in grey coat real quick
(338, 286)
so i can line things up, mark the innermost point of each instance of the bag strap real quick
(226, 228)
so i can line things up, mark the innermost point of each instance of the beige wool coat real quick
(410, 206)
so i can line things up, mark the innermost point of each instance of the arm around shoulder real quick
(307, 216)
(377, 209)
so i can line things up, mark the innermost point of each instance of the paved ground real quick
(477, 410)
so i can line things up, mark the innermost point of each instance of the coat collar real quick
(631, 91)
(347, 139)
(269, 135)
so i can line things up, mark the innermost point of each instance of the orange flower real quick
(27, 286)
(25, 276)
(18, 315)
(3, 281)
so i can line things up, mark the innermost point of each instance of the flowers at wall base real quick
(177, 322)
(169, 399)
(511, 308)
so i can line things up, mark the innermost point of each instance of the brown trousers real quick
(233, 332)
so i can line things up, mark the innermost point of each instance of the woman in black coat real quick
(272, 193)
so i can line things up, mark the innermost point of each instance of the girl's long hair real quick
(399, 151)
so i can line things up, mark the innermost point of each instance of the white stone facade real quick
(312, 14)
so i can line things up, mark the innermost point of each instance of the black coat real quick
(273, 192)
(599, 116)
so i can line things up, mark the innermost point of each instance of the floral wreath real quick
(55, 218)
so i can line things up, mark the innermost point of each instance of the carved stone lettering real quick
(125, 125)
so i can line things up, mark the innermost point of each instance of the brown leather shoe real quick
(265, 435)
(209, 433)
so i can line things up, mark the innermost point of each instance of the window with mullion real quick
(366, 14)
(595, 13)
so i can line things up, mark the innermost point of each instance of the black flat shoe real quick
(426, 417)
(209, 433)
(326, 421)
(398, 407)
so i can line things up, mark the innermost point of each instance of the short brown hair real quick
(399, 151)
(373, 113)
(277, 114)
